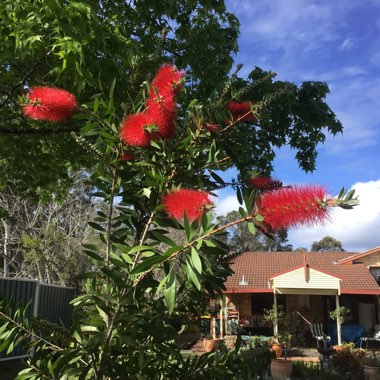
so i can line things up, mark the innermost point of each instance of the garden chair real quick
(375, 337)
(319, 335)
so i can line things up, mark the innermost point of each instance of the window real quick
(303, 302)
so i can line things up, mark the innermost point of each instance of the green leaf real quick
(217, 178)
(148, 264)
(93, 255)
(193, 275)
(170, 293)
(259, 218)
(96, 226)
(251, 228)
(204, 221)
(196, 260)
(242, 212)
(102, 314)
(187, 226)
(162, 238)
(112, 88)
(239, 196)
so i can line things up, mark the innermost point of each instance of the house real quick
(312, 283)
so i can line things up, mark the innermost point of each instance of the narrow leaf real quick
(196, 260)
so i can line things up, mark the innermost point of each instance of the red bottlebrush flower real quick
(191, 201)
(127, 157)
(265, 183)
(138, 129)
(167, 79)
(241, 111)
(50, 104)
(291, 207)
(215, 128)
(162, 109)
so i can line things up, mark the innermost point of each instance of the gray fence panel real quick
(44, 301)
(19, 292)
(50, 309)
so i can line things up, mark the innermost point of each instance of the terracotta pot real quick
(277, 348)
(281, 368)
(210, 344)
(339, 348)
(371, 373)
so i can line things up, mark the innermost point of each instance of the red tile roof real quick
(259, 267)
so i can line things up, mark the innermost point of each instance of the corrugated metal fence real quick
(49, 302)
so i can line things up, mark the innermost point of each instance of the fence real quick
(49, 302)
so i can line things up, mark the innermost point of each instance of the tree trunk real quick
(5, 248)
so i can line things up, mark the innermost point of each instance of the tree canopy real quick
(87, 46)
(240, 240)
(327, 244)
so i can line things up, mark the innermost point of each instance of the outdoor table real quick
(350, 333)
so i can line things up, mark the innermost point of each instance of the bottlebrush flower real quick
(215, 128)
(138, 129)
(291, 207)
(241, 111)
(265, 183)
(167, 79)
(50, 104)
(162, 109)
(127, 157)
(191, 201)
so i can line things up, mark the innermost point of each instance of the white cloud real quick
(357, 229)
(225, 205)
(293, 24)
(346, 44)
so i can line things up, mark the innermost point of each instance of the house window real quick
(375, 271)
(303, 302)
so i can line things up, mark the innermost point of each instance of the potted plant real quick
(281, 367)
(340, 315)
(371, 367)
(211, 343)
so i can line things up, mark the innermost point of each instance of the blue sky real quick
(337, 42)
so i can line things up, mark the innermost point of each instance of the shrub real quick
(256, 358)
(349, 361)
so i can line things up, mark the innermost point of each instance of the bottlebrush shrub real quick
(49, 104)
(147, 269)
(265, 183)
(296, 206)
(193, 202)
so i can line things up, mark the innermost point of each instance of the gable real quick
(368, 258)
(305, 278)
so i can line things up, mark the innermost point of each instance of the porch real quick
(247, 311)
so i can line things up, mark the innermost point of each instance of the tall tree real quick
(44, 240)
(240, 240)
(327, 244)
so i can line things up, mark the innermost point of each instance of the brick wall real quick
(372, 260)
(315, 312)
(241, 302)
